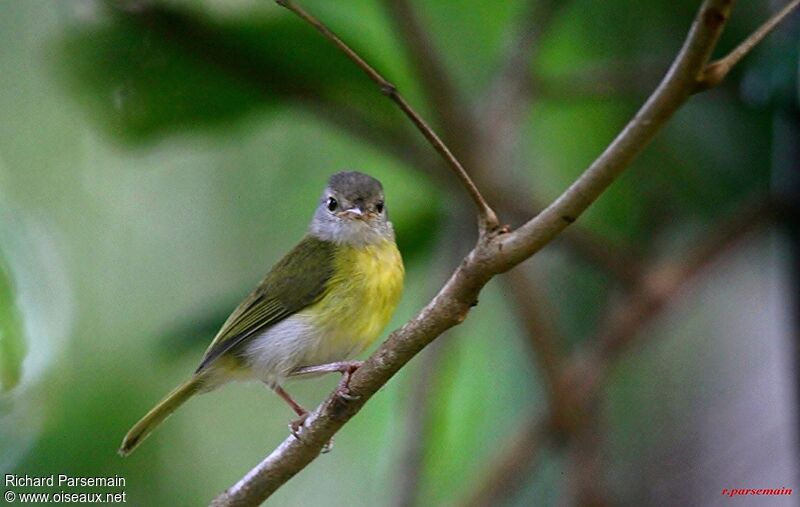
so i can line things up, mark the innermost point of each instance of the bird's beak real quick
(354, 212)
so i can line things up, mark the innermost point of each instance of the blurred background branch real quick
(441, 93)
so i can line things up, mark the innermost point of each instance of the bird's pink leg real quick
(302, 413)
(346, 368)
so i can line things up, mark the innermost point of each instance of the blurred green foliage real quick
(12, 340)
(153, 71)
(171, 151)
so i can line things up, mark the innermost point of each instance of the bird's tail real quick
(157, 414)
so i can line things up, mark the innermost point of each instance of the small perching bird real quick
(324, 302)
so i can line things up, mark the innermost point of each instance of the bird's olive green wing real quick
(298, 280)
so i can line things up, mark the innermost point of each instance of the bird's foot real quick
(297, 424)
(344, 393)
(295, 427)
(302, 413)
(343, 389)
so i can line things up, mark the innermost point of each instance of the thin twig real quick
(502, 116)
(487, 219)
(716, 71)
(495, 253)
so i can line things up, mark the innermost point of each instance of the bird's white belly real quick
(289, 344)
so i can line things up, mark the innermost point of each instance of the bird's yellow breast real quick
(360, 298)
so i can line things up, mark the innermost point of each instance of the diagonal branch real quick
(487, 219)
(716, 72)
(664, 281)
(495, 252)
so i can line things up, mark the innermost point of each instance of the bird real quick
(323, 303)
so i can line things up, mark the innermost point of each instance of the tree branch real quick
(496, 251)
(716, 72)
(487, 219)
(502, 117)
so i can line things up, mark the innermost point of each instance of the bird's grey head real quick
(352, 211)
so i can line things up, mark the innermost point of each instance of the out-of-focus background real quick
(157, 158)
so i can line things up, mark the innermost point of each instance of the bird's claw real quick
(298, 423)
(294, 426)
(349, 397)
(344, 393)
(343, 389)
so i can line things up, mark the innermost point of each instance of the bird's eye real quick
(379, 206)
(332, 204)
